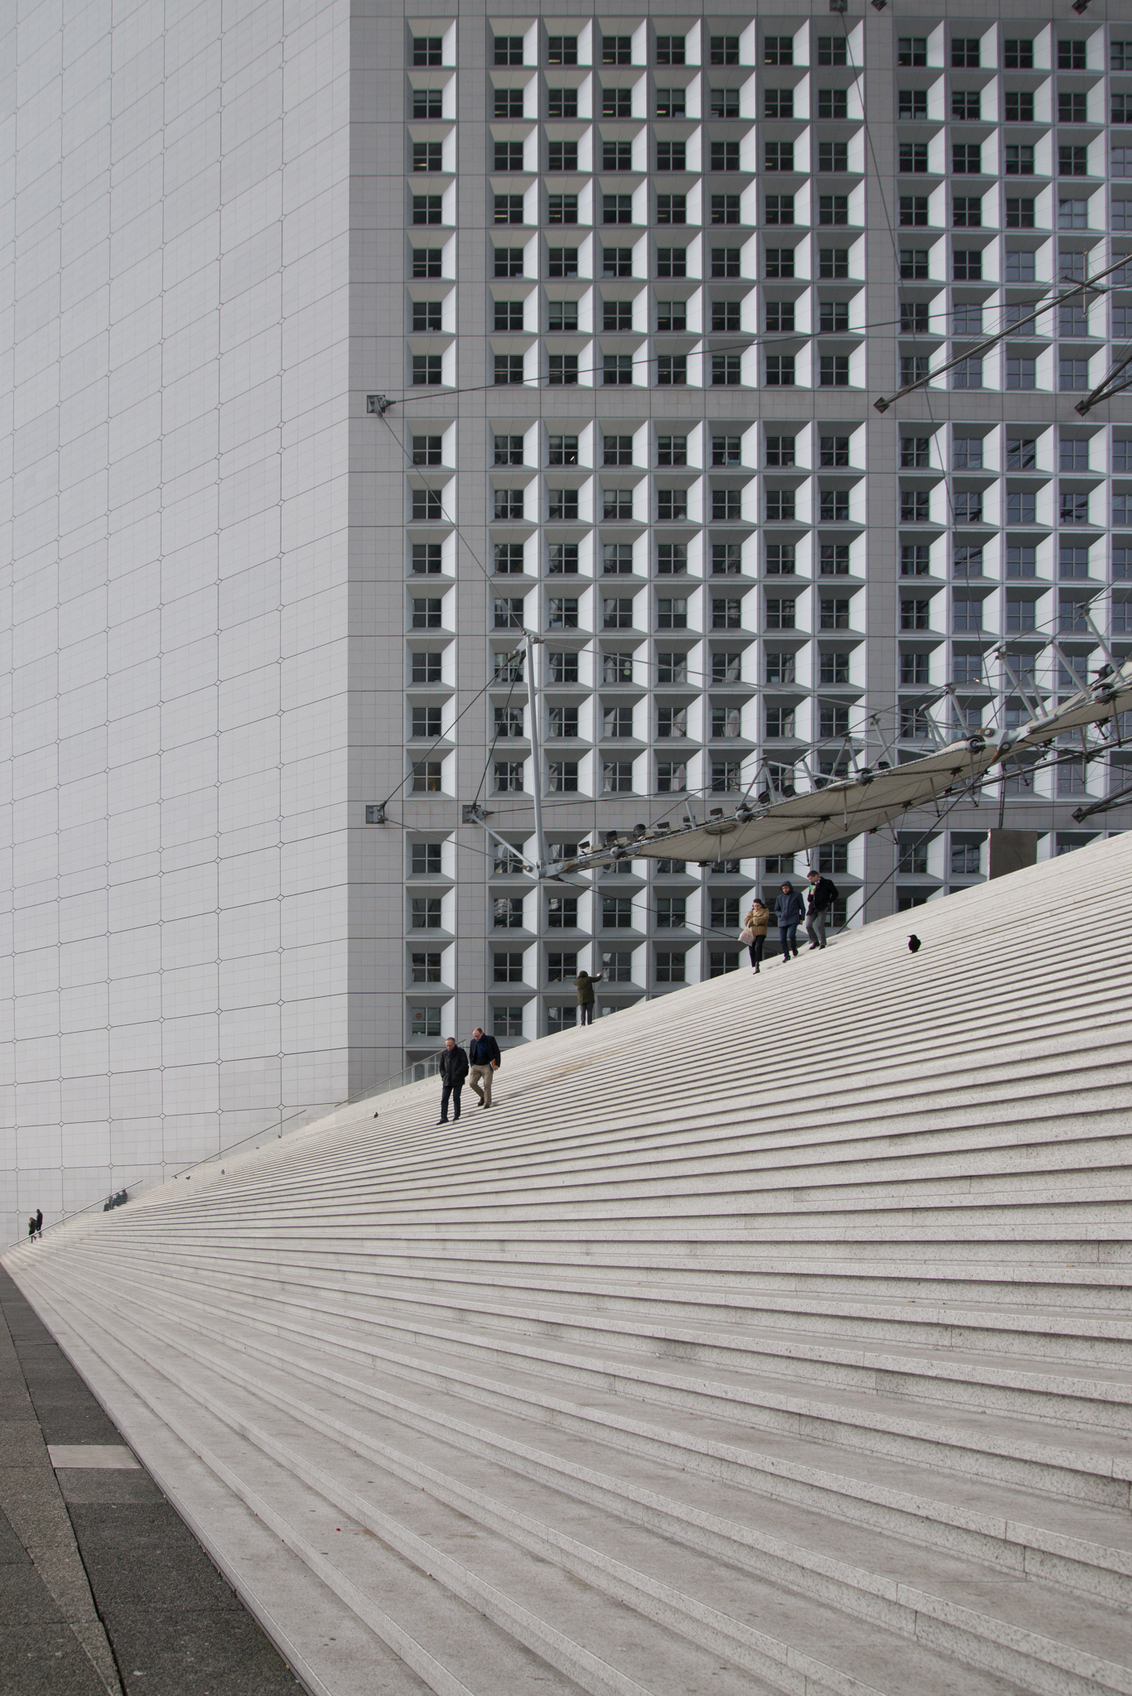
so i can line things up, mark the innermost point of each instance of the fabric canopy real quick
(843, 808)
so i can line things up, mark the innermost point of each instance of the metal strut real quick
(1110, 387)
(1001, 335)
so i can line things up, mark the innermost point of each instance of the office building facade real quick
(348, 344)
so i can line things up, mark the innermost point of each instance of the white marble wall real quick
(173, 344)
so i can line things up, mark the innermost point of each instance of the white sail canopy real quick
(1094, 705)
(851, 806)
(846, 807)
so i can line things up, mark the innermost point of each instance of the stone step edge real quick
(1016, 1650)
(656, 1236)
(679, 1144)
(784, 1665)
(670, 1271)
(454, 1378)
(1031, 1229)
(1092, 1394)
(1070, 1551)
(1067, 1320)
(975, 1174)
(661, 1386)
(837, 1206)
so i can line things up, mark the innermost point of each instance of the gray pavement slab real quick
(174, 1652)
(142, 1554)
(27, 1598)
(104, 1591)
(44, 1659)
(79, 1485)
(11, 1549)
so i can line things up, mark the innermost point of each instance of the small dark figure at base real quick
(914, 944)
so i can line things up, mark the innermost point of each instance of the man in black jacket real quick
(483, 1052)
(819, 904)
(789, 910)
(453, 1071)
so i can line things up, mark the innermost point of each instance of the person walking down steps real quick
(39, 1221)
(819, 906)
(453, 1071)
(755, 927)
(789, 910)
(483, 1052)
(584, 985)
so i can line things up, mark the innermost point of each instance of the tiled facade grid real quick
(665, 268)
(634, 285)
(175, 348)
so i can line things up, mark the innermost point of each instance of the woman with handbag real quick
(755, 928)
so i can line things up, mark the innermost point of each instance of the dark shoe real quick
(442, 1121)
(814, 946)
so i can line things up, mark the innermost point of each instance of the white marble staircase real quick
(772, 1337)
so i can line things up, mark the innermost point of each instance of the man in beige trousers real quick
(483, 1052)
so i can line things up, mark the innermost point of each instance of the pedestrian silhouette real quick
(914, 944)
(39, 1221)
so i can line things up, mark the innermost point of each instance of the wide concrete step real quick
(1091, 1466)
(1070, 1328)
(567, 1605)
(729, 1250)
(310, 1362)
(751, 1278)
(1095, 1198)
(357, 1462)
(1009, 1157)
(1086, 1394)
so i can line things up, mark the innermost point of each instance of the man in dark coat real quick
(819, 905)
(789, 910)
(39, 1221)
(483, 1052)
(453, 1071)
